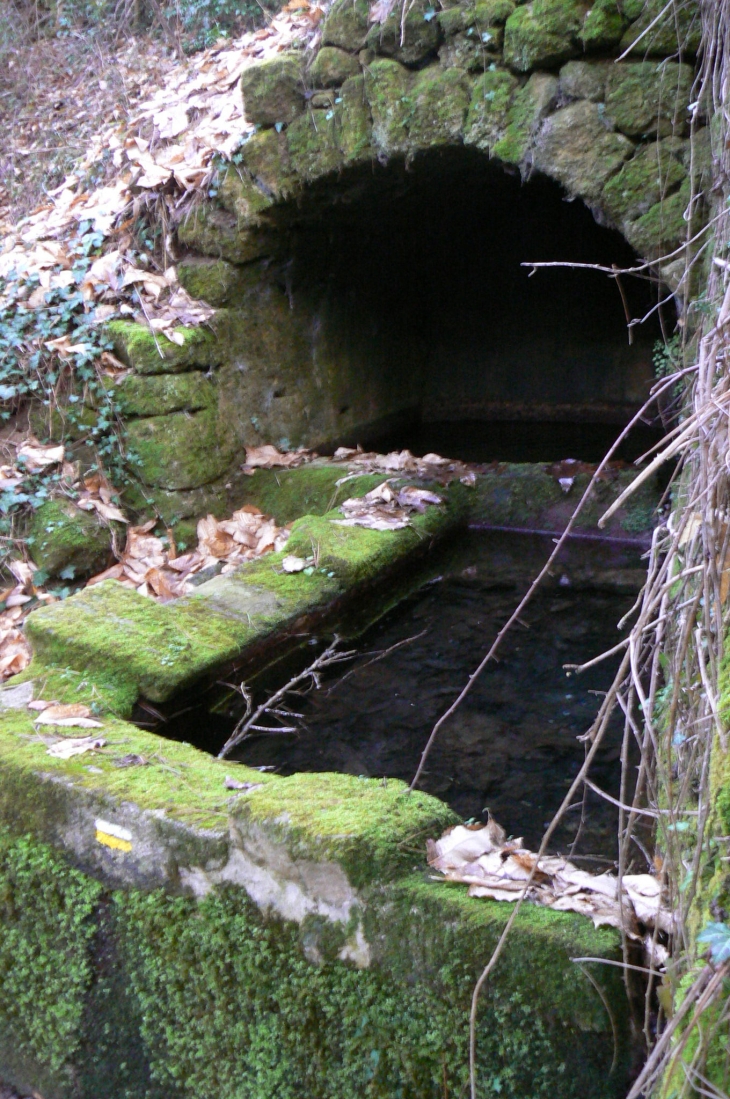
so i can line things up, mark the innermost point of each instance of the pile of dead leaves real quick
(162, 157)
(15, 652)
(269, 457)
(152, 566)
(495, 867)
(431, 467)
(386, 507)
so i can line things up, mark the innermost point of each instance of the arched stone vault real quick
(303, 348)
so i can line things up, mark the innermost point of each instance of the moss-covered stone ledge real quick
(284, 941)
(129, 645)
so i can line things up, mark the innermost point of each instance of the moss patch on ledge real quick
(375, 829)
(188, 786)
(136, 646)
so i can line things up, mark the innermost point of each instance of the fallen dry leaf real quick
(268, 456)
(75, 746)
(73, 714)
(499, 869)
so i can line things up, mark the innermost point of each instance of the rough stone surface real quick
(62, 537)
(355, 122)
(408, 40)
(180, 451)
(648, 98)
(158, 394)
(662, 228)
(136, 345)
(677, 30)
(346, 25)
(651, 175)
(487, 117)
(524, 115)
(213, 280)
(388, 88)
(273, 90)
(584, 80)
(440, 102)
(332, 67)
(314, 148)
(604, 25)
(266, 157)
(543, 34)
(575, 147)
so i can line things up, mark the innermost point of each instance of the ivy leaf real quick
(717, 937)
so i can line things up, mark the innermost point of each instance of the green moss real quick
(239, 194)
(62, 537)
(273, 90)
(146, 353)
(46, 911)
(230, 1006)
(44, 794)
(487, 115)
(651, 175)
(543, 34)
(440, 103)
(662, 228)
(314, 148)
(388, 88)
(346, 25)
(527, 109)
(181, 450)
(673, 31)
(604, 25)
(648, 98)
(288, 494)
(332, 67)
(354, 121)
(159, 394)
(408, 35)
(212, 280)
(266, 156)
(121, 637)
(575, 148)
(213, 231)
(374, 830)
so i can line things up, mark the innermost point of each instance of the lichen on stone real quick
(543, 34)
(332, 67)
(388, 88)
(149, 353)
(648, 177)
(314, 148)
(525, 113)
(346, 25)
(408, 34)
(273, 91)
(440, 103)
(662, 32)
(61, 537)
(487, 116)
(584, 80)
(575, 147)
(645, 98)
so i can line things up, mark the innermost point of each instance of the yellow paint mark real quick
(113, 841)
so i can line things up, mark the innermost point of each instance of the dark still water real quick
(511, 747)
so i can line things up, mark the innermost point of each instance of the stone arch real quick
(531, 91)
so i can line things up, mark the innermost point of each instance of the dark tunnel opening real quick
(414, 276)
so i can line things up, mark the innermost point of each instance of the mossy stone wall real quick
(533, 87)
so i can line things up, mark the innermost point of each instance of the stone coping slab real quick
(329, 869)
